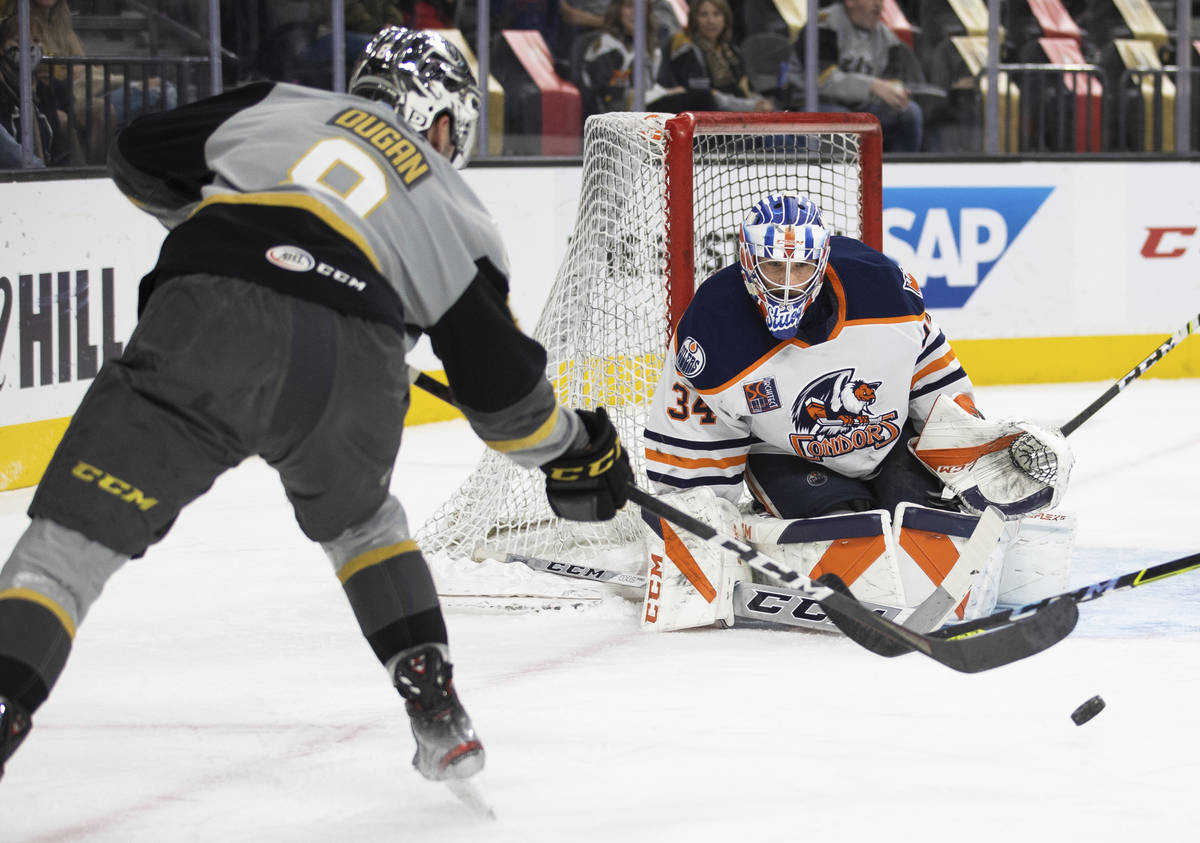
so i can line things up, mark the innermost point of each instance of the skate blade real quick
(470, 795)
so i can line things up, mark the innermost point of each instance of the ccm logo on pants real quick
(113, 485)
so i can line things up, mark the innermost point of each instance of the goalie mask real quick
(783, 248)
(421, 75)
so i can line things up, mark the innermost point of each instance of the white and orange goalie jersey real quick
(866, 359)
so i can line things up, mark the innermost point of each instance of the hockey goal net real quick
(660, 202)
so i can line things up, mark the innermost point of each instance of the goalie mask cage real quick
(660, 201)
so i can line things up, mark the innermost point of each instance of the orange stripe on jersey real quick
(887, 320)
(694, 462)
(836, 284)
(941, 363)
(848, 558)
(939, 457)
(678, 553)
(839, 293)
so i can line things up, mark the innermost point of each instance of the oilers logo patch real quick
(816, 478)
(689, 360)
(761, 396)
(835, 415)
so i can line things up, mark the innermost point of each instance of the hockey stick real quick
(1025, 636)
(1096, 590)
(935, 608)
(1136, 372)
(435, 388)
(1043, 627)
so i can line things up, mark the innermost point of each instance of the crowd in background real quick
(733, 55)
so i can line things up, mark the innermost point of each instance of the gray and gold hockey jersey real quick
(331, 198)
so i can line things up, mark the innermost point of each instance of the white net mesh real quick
(606, 322)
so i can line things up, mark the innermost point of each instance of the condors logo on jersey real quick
(833, 416)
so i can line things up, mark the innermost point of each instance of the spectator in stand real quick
(701, 58)
(107, 111)
(50, 142)
(855, 50)
(608, 68)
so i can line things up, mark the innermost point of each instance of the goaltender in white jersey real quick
(803, 371)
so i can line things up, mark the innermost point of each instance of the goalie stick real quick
(1025, 636)
(1096, 590)
(935, 608)
(1043, 627)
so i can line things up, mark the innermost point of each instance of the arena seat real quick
(1070, 106)
(782, 17)
(1144, 96)
(543, 112)
(895, 20)
(973, 50)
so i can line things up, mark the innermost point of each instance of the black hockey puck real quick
(1087, 710)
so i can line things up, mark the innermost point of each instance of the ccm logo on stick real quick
(654, 589)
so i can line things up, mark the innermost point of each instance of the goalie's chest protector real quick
(838, 393)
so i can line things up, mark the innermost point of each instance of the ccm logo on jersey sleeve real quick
(401, 153)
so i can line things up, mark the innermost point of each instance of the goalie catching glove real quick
(590, 483)
(1017, 467)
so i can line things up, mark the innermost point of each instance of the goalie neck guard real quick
(783, 251)
(422, 76)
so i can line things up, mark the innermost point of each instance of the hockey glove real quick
(589, 483)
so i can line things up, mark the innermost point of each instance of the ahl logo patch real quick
(833, 416)
(291, 258)
(762, 396)
(689, 360)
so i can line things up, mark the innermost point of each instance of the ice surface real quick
(220, 690)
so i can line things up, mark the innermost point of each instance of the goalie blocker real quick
(888, 560)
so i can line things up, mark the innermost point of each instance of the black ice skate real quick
(14, 726)
(447, 746)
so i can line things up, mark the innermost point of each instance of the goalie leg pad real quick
(690, 581)
(929, 542)
(857, 546)
(1038, 562)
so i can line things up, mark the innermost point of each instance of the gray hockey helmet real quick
(421, 75)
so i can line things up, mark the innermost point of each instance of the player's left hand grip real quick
(590, 484)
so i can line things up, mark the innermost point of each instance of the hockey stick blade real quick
(1032, 634)
(1096, 590)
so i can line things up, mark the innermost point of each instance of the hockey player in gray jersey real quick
(311, 233)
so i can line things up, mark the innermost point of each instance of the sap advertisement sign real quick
(950, 238)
